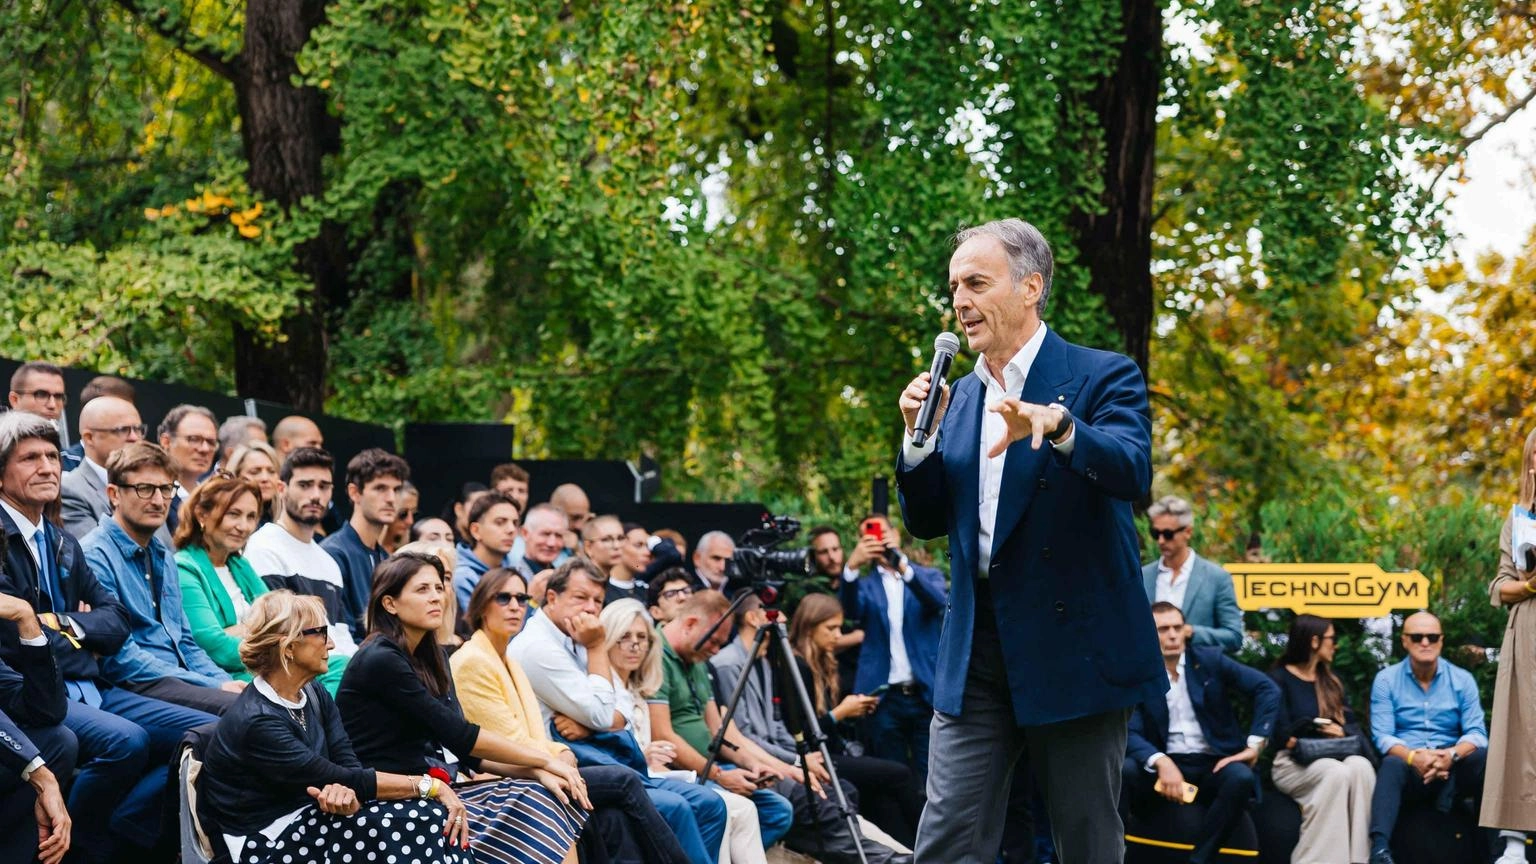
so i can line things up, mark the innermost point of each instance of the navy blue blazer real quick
(1210, 676)
(1075, 625)
(922, 617)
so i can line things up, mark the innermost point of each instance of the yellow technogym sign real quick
(1329, 590)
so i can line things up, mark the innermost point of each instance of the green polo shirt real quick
(685, 689)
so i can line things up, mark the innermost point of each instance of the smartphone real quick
(1322, 721)
(1190, 791)
(878, 691)
(874, 529)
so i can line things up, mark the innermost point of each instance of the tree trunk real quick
(1116, 243)
(287, 132)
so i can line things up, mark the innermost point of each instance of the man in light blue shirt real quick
(1428, 724)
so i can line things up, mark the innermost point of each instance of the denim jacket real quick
(160, 643)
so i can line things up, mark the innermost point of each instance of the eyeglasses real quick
(633, 643)
(506, 597)
(147, 490)
(199, 441)
(46, 396)
(321, 630)
(138, 430)
(612, 540)
(671, 593)
(1421, 638)
(1168, 534)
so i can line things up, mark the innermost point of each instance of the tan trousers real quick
(1335, 799)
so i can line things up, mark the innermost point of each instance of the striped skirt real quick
(518, 822)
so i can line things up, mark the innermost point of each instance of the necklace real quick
(298, 714)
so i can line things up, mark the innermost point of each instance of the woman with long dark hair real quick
(889, 795)
(1334, 793)
(398, 703)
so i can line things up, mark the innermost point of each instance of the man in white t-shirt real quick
(287, 549)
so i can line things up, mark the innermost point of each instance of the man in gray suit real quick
(1199, 587)
(106, 424)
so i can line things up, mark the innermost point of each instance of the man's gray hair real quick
(711, 537)
(235, 431)
(18, 426)
(540, 512)
(173, 418)
(1173, 505)
(1027, 250)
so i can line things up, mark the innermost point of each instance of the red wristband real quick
(440, 773)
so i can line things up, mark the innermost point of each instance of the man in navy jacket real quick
(1191, 735)
(1048, 642)
(901, 607)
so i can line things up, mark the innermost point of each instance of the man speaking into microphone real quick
(1049, 641)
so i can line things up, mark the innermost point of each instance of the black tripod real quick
(807, 740)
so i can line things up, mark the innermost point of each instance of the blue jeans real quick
(695, 814)
(898, 730)
(125, 759)
(775, 815)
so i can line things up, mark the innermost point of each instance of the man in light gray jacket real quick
(1202, 589)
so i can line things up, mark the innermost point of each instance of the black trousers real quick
(888, 794)
(1396, 783)
(624, 826)
(1225, 794)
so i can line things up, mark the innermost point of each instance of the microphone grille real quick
(946, 343)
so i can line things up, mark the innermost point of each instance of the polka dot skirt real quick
(382, 832)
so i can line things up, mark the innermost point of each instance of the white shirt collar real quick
(1189, 562)
(266, 690)
(28, 528)
(1020, 363)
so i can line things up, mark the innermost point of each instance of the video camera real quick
(756, 560)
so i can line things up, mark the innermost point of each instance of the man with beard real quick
(373, 483)
(160, 658)
(285, 552)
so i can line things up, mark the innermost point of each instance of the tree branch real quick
(1465, 143)
(181, 37)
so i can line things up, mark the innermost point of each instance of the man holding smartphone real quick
(901, 605)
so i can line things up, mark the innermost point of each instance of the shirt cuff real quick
(850, 574)
(39, 640)
(1066, 444)
(1257, 742)
(1151, 765)
(26, 773)
(913, 455)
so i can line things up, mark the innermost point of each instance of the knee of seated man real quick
(1394, 765)
(1237, 779)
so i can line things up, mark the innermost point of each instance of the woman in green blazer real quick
(217, 585)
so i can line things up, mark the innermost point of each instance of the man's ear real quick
(1189, 633)
(353, 493)
(113, 493)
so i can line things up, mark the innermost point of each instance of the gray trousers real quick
(971, 760)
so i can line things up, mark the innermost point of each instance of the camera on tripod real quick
(757, 562)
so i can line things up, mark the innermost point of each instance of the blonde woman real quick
(256, 463)
(634, 654)
(1510, 783)
(280, 772)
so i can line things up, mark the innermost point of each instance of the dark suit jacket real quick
(1211, 677)
(1075, 625)
(105, 626)
(16, 752)
(922, 617)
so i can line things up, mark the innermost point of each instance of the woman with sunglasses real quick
(1509, 785)
(495, 693)
(634, 654)
(280, 777)
(402, 714)
(1334, 794)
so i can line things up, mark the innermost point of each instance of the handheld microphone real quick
(944, 348)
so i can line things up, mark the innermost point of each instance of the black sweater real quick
(1298, 707)
(394, 721)
(260, 761)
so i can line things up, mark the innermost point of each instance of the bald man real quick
(107, 423)
(573, 500)
(293, 432)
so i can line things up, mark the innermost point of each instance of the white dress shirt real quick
(993, 428)
(1172, 584)
(1184, 732)
(557, 670)
(895, 586)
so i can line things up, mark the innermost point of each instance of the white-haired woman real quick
(280, 778)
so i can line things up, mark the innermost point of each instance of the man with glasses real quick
(190, 433)
(160, 659)
(107, 424)
(668, 592)
(1202, 589)
(602, 543)
(1427, 721)
(38, 388)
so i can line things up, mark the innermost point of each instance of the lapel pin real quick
(1061, 398)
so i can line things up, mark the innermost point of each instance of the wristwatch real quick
(1063, 425)
(424, 786)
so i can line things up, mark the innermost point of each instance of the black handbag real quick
(1309, 750)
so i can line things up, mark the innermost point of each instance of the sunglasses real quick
(1431, 638)
(321, 630)
(1165, 534)
(506, 597)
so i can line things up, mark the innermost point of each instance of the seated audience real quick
(160, 658)
(453, 630)
(544, 528)
(1198, 587)
(901, 607)
(496, 694)
(236, 432)
(459, 510)
(492, 522)
(257, 463)
(293, 432)
(374, 478)
(433, 530)
(511, 479)
(634, 655)
(36, 750)
(562, 652)
(1192, 736)
(286, 554)
(400, 710)
(280, 776)
(1427, 722)
(1334, 794)
(190, 433)
(601, 539)
(711, 559)
(889, 793)
(634, 557)
(38, 388)
(101, 385)
(125, 739)
(667, 593)
(399, 531)
(683, 712)
(106, 424)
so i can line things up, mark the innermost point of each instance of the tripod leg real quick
(713, 755)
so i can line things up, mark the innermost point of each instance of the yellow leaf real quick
(583, 95)
(249, 231)
(151, 213)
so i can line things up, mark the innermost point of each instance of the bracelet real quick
(1411, 754)
(1528, 588)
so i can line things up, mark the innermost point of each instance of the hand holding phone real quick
(1187, 795)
